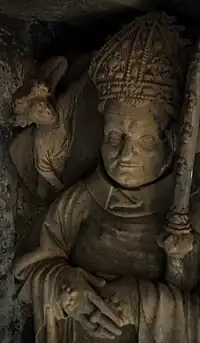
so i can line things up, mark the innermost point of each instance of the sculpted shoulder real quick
(74, 200)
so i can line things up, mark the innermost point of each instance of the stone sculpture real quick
(97, 272)
(45, 152)
(54, 120)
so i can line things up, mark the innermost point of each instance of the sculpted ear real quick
(52, 71)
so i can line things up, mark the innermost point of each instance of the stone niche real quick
(23, 42)
(29, 33)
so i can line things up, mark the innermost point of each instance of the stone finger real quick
(105, 322)
(85, 322)
(103, 333)
(103, 308)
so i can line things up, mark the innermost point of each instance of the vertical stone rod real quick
(177, 239)
(178, 221)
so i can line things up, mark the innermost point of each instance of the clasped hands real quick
(80, 301)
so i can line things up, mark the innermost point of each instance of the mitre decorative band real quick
(144, 61)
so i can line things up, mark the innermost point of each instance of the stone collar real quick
(147, 200)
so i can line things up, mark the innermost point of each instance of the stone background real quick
(68, 10)
(30, 29)
(17, 38)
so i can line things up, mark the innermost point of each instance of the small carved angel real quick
(52, 132)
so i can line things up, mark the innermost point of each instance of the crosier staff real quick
(178, 239)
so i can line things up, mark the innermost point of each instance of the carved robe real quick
(111, 233)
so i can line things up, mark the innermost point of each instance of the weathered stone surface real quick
(20, 42)
(68, 10)
(16, 41)
(60, 9)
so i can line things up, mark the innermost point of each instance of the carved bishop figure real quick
(97, 272)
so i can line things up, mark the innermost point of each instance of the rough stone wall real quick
(66, 9)
(16, 54)
(77, 10)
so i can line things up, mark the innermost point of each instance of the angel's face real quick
(41, 112)
(37, 111)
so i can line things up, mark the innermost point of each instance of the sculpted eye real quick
(147, 141)
(114, 138)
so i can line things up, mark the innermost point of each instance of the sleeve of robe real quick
(165, 314)
(50, 153)
(52, 150)
(44, 270)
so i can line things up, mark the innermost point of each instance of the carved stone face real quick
(132, 150)
(34, 106)
(42, 112)
(38, 111)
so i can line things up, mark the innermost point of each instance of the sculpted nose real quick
(127, 151)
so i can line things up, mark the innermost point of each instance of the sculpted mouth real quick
(127, 165)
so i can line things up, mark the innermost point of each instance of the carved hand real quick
(81, 302)
(122, 297)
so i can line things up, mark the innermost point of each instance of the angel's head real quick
(34, 108)
(35, 103)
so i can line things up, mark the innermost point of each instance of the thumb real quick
(94, 280)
